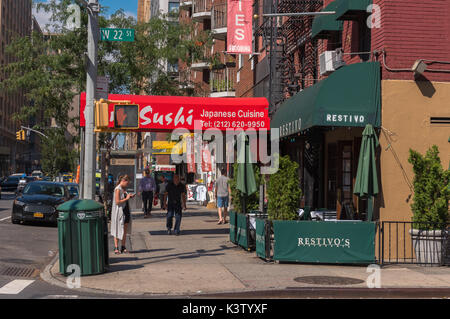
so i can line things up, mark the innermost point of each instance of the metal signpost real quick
(89, 153)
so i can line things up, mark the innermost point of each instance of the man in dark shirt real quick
(175, 201)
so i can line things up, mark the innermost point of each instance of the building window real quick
(174, 8)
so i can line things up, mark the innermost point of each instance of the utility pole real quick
(89, 140)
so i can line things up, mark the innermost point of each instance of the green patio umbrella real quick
(246, 182)
(366, 184)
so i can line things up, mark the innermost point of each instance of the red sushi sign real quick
(239, 26)
(171, 112)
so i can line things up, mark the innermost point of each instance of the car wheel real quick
(15, 221)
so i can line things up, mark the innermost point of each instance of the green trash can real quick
(82, 237)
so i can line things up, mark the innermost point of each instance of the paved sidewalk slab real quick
(202, 260)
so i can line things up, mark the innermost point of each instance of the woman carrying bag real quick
(121, 215)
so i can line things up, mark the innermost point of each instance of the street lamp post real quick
(88, 188)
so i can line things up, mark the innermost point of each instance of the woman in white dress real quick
(121, 215)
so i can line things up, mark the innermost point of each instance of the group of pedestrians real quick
(172, 196)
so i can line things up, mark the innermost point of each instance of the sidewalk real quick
(202, 260)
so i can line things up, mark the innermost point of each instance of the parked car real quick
(11, 183)
(38, 174)
(73, 189)
(23, 182)
(38, 202)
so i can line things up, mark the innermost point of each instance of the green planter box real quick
(263, 238)
(242, 230)
(82, 237)
(233, 227)
(324, 242)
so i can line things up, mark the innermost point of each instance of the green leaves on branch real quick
(283, 191)
(431, 190)
(57, 155)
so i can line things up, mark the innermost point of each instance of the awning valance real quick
(351, 9)
(324, 25)
(348, 97)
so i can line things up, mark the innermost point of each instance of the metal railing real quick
(414, 243)
(201, 6)
(219, 16)
(223, 80)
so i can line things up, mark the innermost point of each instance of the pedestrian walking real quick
(162, 186)
(121, 214)
(223, 195)
(147, 186)
(175, 202)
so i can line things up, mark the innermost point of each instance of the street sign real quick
(102, 88)
(111, 34)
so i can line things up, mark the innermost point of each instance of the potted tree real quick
(430, 205)
(283, 191)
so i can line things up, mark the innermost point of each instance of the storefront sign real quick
(206, 159)
(171, 112)
(190, 154)
(239, 23)
(324, 242)
(291, 127)
(345, 118)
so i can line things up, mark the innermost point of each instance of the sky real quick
(128, 6)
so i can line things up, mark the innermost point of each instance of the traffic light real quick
(101, 114)
(126, 116)
(20, 135)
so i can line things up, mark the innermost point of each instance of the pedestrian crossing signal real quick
(101, 114)
(126, 116)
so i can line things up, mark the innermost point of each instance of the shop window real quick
(345, 173)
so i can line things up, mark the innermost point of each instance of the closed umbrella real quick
(246, 182)
(366, 185)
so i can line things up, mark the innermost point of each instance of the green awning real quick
(351, 9)
(324, 25)
(349, 97)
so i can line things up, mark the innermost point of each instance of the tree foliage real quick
(283, 191)
(56, 156)
(50, 70)
(431, 190)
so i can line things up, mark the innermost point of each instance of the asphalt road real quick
(25, 250)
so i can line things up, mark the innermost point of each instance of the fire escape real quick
(292, 53)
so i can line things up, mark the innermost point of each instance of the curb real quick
(48, 276)
(322, 292)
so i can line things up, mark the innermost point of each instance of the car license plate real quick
(38, 215)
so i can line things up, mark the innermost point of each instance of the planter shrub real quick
(236, 195)
(283, 191)
(431, 190)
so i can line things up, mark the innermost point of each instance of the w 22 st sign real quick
(239, 23)
(126, 35)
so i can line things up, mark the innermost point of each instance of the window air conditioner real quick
(330, 61)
